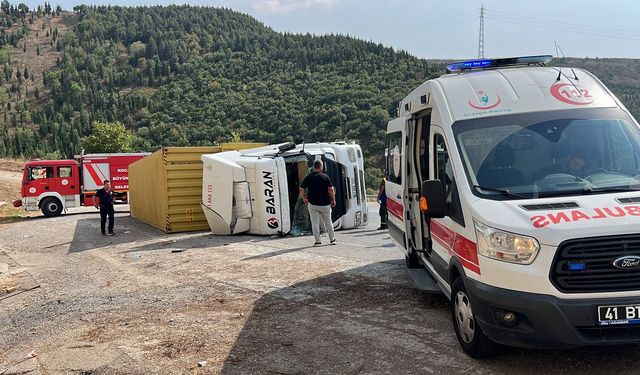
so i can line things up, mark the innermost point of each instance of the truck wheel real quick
(470, 336)
(51, 207)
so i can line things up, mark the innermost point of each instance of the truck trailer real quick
(256, 190)
(52, 186)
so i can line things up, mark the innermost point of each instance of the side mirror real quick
(432, 202)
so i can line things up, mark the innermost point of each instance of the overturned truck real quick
(256, 190)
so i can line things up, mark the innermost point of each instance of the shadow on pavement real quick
(87, 234)
(278, 253)
(196, 240)
(372, 320)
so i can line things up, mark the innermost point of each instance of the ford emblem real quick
(627, 262)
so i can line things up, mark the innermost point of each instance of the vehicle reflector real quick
(424, 206)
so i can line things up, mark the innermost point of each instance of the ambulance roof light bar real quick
(496, 63)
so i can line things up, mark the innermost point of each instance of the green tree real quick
(108, 137)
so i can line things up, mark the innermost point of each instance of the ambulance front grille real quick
(628, 200)
(586, 265)
(549, 206)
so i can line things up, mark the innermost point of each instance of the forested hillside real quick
(183, 75)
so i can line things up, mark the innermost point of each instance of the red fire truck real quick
(55, 185)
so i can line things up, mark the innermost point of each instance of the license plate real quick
(619, 315)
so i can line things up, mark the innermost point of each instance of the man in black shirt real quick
(104, 201)
(320, 198)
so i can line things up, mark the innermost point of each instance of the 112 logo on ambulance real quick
(571, 94)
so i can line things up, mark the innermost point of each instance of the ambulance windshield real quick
(555, 153)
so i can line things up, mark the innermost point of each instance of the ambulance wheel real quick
(470, 336)
(412, 259)
(51, 207)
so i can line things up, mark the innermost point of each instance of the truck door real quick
(68, 184)
(40, 179)
(395, 174)
(336, 173)
(67, 180)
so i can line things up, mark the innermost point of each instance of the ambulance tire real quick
(475, 343)
(412, 260)
(51, 207)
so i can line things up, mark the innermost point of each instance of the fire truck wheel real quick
(51, 207)
(470, 336)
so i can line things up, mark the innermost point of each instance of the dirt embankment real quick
(10, 177)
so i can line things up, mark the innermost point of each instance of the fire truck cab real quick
(50, 186)
(514, 189)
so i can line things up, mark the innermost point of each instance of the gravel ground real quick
(145, 302)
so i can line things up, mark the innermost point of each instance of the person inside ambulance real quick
(573, 163)
(576, 163)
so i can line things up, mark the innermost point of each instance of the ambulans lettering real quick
(541, 221)
(209, 195)
(267, 179)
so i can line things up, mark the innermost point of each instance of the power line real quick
(561, 28)
(556, 22)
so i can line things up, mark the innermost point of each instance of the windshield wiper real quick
(585, 191)
(614, 189)
(504, 192)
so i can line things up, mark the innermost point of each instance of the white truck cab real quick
(516, 186)
(256, 190)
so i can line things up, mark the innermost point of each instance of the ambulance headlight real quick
(505, 246)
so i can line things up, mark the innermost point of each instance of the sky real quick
(446, 28)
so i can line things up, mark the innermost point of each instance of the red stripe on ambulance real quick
(465, 249)
(395, 208)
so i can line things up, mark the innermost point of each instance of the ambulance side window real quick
(394, 158)
(443, 171)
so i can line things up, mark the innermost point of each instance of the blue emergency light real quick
(496, 63)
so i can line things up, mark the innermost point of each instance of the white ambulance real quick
(256, 190)
(516, 186)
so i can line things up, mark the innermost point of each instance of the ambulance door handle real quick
(46, 188)
(398, 196)
(73, 186)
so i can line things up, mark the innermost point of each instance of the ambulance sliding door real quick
(395, 173)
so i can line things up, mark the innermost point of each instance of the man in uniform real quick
(382, 200)
(103, 200)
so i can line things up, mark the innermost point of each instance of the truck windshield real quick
(555, 153)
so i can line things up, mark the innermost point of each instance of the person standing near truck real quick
(320, 198)
(382, 199)
(103, 200)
